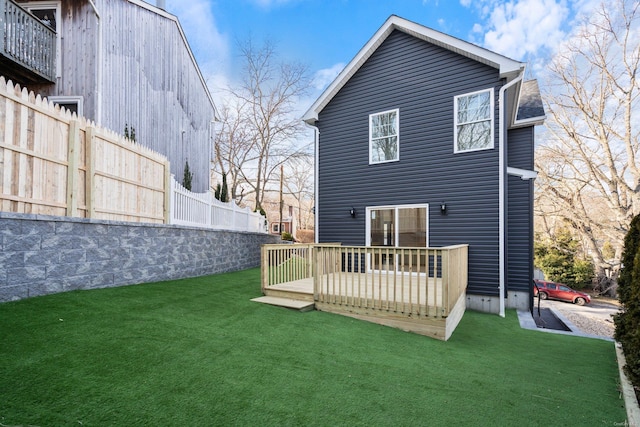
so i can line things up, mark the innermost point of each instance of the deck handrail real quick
(27, 40)
(415, 281)
(283, 263)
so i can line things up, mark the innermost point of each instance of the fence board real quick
(48, 168)
(55, 163)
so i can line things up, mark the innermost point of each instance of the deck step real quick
(286, 302)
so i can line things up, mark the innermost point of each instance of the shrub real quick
(560, 261)
(286, 236)
(628, 320)
(187, 177)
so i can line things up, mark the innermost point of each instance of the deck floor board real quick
(377, 287)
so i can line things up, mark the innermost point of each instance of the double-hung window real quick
(473, 121)
(384, 136)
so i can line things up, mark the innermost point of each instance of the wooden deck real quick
(416, 289)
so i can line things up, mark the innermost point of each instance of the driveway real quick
(592, 319)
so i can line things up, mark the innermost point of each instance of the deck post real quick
(446, 266)
(264, 267)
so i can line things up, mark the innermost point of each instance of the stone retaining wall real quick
(41, 255)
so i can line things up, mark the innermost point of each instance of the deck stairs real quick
(293, 304)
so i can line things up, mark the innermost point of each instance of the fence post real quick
(73, 155)
(89, 179)
(234, 217)
(168, 194)
(210, 201)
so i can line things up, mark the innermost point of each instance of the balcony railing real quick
(27, 41)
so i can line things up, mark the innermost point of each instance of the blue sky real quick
(326, 34)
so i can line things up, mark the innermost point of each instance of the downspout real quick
(316, 139)
(98, 116)
(502, 184)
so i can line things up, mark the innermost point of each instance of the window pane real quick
(412, 227)
(384, 149)
(474, 107)
(474, 135)
(382, 227)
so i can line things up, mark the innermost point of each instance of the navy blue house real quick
(427, 140)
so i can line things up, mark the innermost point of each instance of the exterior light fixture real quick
(443, 208)
(352, 212)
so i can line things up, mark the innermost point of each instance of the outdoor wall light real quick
(352, 212)
(443, 208)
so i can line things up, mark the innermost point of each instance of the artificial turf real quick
(198, 352)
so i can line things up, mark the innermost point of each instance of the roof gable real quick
(530, 107)
(508, 68)
(162, 12)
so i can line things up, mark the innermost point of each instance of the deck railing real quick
(286, 263)
(423, 282)
(416, 282)
(26, 40)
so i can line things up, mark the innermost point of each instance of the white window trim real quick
(455, 121)
(368, 210)
(275, 227)
(38, 5)
(397, 111)
(67, 100)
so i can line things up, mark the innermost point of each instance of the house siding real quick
(421, 80)
(149, 80)
(520, 151)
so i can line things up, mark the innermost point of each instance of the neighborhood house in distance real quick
(120, 63)
(427, 140)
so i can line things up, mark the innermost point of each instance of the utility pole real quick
(281, 199)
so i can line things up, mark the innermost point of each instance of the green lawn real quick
(198, 352)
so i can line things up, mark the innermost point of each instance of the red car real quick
(559, 291)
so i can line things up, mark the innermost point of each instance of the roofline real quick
(508, 68)
(531, 121)
(165, 14)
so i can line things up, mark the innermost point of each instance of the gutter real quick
(98, 110)
(502, 185)
(316, 140)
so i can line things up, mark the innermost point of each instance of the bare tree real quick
(589, 174)
(233, 146)
(298, 183)
(262, 130)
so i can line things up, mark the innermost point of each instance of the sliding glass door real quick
(397, 226)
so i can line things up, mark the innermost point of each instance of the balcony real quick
(28, 46)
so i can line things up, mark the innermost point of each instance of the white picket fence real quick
(204, 210)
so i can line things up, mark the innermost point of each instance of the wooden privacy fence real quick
(54, 163)
(204, 210)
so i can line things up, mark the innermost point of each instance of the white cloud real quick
(525, 27)
(324, 77)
